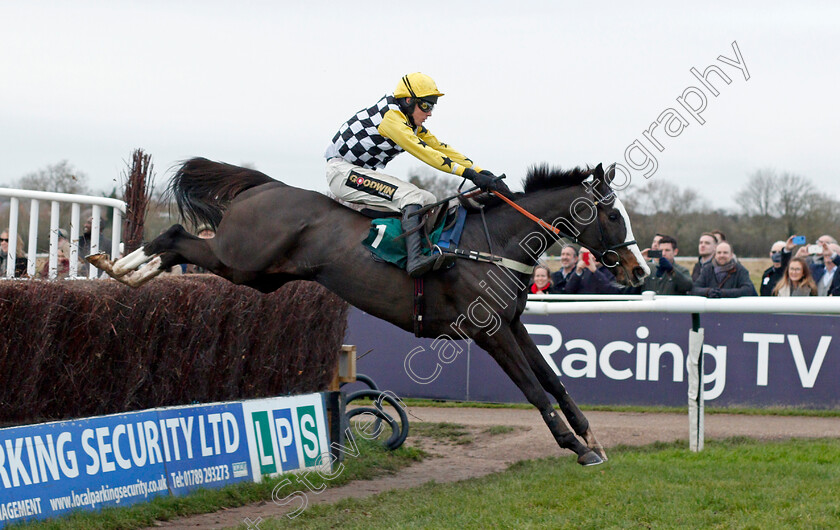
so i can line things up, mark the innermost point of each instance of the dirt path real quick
(491, 453)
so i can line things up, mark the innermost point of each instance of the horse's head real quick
(609, 235)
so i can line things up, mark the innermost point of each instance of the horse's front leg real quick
(552, 384)
(502, 345)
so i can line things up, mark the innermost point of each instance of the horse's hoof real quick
(101, 262)
(590, 458)
(599, 450)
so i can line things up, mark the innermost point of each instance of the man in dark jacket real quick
(568, 257)
(590, 277)
(705, 252)
(724, 277)
(780, 254)
(668, 277)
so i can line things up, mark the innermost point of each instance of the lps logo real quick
(285, 434)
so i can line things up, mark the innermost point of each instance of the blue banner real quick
(51, 469)
(622, 359)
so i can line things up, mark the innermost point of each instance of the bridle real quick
(609, 256)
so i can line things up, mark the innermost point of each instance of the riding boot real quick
(418, 263)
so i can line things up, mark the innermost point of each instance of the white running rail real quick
(96, 203)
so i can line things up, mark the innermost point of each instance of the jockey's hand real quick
(486, 181)
(498, 184)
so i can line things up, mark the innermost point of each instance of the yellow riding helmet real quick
(416, 85)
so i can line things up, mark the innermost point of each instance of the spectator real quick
(669, 277)
(4, 251)
(85, 237)
(724, 277)
(568, 258)
(591, 277)
(542, 280)
(825, 266)
(797, 280)
(20, 255)
(816, 258)
(654, 245)
(780, 254)
(834, 290)
(63, 268)
(718, 235)
(705, 253)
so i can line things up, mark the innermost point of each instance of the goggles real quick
(425, 106)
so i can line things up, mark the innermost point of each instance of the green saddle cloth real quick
(382, 242)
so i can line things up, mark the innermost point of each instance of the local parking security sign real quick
(286, 434)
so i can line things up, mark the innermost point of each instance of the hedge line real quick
(89, 347)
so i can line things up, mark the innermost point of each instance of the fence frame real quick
(96, 203)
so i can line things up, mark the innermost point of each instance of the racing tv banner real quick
(50, 469)
(622, 359)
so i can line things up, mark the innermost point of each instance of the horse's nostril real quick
(639, 273)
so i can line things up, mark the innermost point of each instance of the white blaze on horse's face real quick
(634, 248)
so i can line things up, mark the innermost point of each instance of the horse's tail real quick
(203, 188)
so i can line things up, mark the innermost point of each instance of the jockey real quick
(372, 137)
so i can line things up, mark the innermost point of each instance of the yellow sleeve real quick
(424, 145)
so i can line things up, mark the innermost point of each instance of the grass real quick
(496, 430)
(769, 411)
(737, 483)
(451, 433)
(374, 460)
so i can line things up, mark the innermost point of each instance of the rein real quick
(600, 256)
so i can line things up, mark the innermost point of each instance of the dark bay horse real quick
(269, 233)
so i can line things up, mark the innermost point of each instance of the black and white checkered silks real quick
(357, 151)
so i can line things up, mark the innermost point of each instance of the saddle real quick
(386, 241)
(432, 218)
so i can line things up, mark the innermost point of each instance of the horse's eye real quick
(613, 216)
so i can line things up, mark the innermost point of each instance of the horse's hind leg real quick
(551, 383)
(173, 247)
(503, 346)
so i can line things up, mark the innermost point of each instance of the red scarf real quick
(537, 290)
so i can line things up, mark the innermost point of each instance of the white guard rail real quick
(96, 204)
(649, 302)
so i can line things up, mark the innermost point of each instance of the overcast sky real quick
(269, 83)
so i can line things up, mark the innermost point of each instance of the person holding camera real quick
(780, 254)
(824, 266)
(668, 277)
(591, 277)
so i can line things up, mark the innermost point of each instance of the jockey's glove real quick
(487, 181)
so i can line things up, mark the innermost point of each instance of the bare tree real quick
(60, 178)
(658, 197)
(796, 197)
(760, 195)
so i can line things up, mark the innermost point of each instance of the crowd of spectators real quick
(808, 270)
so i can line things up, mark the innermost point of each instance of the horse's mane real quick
(542, 177)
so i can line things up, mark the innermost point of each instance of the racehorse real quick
(269, 233)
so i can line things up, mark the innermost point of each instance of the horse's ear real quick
(610, 174)
(602, 185)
